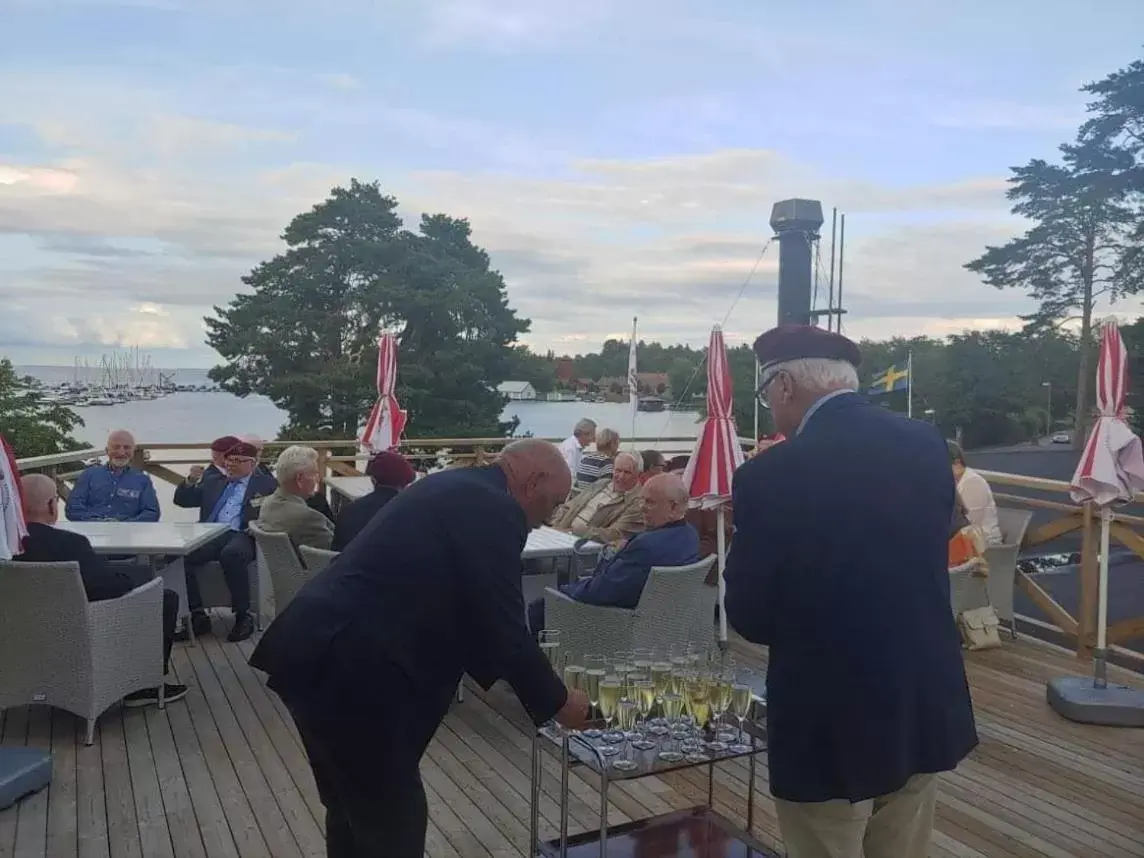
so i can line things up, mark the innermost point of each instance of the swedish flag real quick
(890, 381)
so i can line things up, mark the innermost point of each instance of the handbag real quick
(980, 628)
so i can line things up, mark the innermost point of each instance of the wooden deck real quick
(222, 775)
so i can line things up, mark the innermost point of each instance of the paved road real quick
(1126, 570)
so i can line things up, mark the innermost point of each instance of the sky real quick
(617, 159)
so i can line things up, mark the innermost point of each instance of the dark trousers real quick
(536, 617)
(369, 813)
(234, 552)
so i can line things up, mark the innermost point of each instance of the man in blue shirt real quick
(233, 501)
(619, 578)
(115, 491)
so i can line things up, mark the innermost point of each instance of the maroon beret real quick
(223, 444)
(390, 469)
(795, 342)
(243, 450)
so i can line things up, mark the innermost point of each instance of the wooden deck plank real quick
(63, 831)
(222, 774)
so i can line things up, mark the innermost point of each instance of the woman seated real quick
(975, 495)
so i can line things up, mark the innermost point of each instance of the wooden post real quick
(1089, 581)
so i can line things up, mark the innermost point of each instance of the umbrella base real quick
(1078, 699)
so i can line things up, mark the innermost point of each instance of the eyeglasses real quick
(761, 393)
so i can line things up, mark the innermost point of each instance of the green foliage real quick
(537, 370)
(306, 335)
(32, 426)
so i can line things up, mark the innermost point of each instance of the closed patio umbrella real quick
(386, 420)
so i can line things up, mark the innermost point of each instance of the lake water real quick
(189, 417)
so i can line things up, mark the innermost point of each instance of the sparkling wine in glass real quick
(718, 698)
(550, 646)
(644, 690)
(593, 673)
(741, 698)
(627, 711)
(611, 690)
(672, 710)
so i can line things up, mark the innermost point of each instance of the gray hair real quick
(606, 437)
(636, 460)
(293, 461)
(584, 426)
(820, 375)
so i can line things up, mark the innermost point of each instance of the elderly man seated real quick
(46, 543)
(390, 472)
(286, 511)
(619, 578)
(608, 511)
(189, 493)
(233, 501)
(115, 491)
(598, 466)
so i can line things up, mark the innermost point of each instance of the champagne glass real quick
(719, 698)
(644, 690)
(595, 669)
(672, 710)
(642, 659)
(550, 646)
(574, 676)
(699, 704)
(611, 689)
(623, 665)
(661, 678)
(741, 697)
(726, 682)
(679, 689)
(627, 712)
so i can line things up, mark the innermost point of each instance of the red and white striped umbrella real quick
(386, 421)
(13, 528)
(1112, 466)
(717, 453)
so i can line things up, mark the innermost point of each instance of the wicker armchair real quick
(1002, 560)
(282, 565)
(316, 559)
(675, 603)
(58, 649)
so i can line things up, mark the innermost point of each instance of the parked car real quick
(1062, 438)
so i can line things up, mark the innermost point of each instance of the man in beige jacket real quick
(286, 511)
(608, 511)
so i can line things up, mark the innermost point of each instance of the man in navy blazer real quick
(368, 655)
(234, 501)
(838, 565)
(619, 577)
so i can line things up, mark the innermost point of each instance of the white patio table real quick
(150, 539)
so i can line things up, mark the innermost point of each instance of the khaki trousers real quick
(898, 825)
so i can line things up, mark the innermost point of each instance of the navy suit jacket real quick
(375, 644)
(209, 490)
(618, 579)
(839, 565)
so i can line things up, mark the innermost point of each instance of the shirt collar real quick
(810, 412)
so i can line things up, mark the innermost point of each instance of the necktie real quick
(221, 503)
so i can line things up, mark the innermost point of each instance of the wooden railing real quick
(1072, 517)
(343, 458)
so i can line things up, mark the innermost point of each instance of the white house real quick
(517, 391)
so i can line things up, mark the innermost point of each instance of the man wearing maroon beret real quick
(189, 493)
(390, 472)
(838, 565)
(232, 499)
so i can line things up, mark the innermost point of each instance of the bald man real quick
(368, 655)
(619, 577)
(47, 543)
(115, 491)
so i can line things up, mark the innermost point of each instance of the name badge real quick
(127, 493)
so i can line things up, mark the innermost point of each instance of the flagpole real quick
(633, 381)
(910, 383)
(755, 438)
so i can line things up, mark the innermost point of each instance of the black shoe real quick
(200, 623)
(243, 628)
(150, 696)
